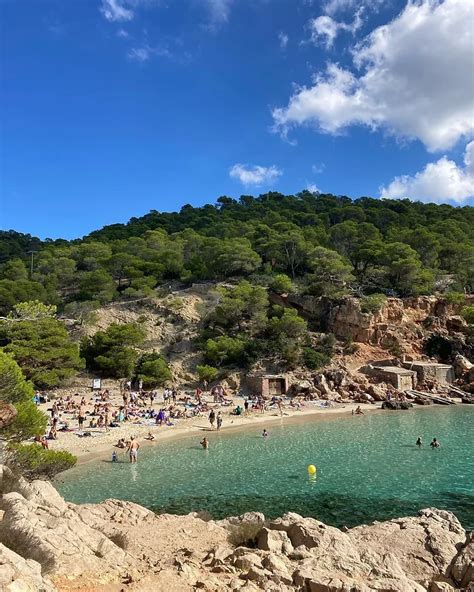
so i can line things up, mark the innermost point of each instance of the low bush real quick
(33, 461)
(207, 373)
(313, 359)
(467, 314)
(372, 303)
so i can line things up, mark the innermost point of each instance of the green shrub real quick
(372, 303)
(153, 370)
(43, 350)
(455, 298)
(281, 284)
(467, 314)
(13, 386)
(33, 461)
(112, 352)
(207, 373)
(314, 359)
(227, 350)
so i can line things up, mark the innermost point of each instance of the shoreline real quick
(198, 426)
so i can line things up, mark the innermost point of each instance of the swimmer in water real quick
(265, 434)
(419, 442)
(205, 443)
(434, 443)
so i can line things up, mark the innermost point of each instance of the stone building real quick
(442, 373)
(268, 385)
(400, 378)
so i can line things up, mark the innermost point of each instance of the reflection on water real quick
(368, 468)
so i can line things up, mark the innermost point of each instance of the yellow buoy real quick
(311, 469)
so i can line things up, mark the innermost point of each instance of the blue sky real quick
(110, 108)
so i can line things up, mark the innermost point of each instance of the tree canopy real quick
(328, 244)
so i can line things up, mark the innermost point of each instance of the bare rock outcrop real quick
(47, 544)
(21, 575)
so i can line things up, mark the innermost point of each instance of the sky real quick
(111, 108)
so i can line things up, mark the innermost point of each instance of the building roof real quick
(425, 364)
(395, 370)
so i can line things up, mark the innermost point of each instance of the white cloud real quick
(438, 182)
(122, 33)
(254, 175)
(283, 39)
(318, 168)
(334, 6)
(313, 188)
(325, 29)
(415, 80)
(144, 52)
(116, 10)
(219, 10)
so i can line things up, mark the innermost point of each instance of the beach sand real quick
(102, 442)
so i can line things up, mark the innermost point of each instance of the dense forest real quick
(313, 243)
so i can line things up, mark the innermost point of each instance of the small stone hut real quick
(400, 378)
(268, 385)
(427, 370)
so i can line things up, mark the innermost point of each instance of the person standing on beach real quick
(219, 421)
(246, 406)
(82, 415)
(133, 450)
(212, 418)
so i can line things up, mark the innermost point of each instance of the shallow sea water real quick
(368, 468)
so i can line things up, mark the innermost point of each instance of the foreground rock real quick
(47, 544)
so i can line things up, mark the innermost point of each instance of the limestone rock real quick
(274, 540)
(55, 537)
(424, 546)
(462, 570)
(21, 575)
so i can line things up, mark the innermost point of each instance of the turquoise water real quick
(368, 469)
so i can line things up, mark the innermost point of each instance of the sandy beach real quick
(102, 442)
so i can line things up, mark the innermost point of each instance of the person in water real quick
(434, 443)
(419, 442)
(205, 443)
(265, 434)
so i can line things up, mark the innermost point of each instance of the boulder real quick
(424, 546)
(462, 570)
(276, 541)
(55, 536)
(21, 575)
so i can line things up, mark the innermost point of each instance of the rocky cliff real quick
(47, 544)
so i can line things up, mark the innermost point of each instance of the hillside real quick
(274, 283)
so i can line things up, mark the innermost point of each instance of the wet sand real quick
(102, 443)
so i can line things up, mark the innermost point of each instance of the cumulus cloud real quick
(438, 182)
(313, 188)
(116, 10)
(283, 39)
(325, 29)
(413, 78)
(254, 175)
